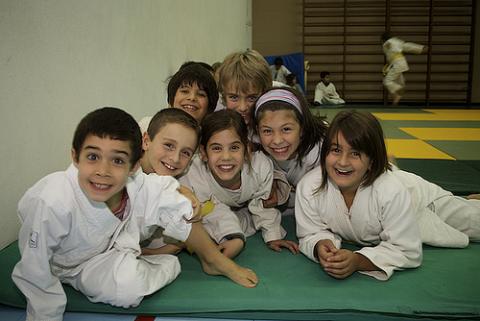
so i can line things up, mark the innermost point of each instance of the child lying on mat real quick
(83, 226)
(355, 196)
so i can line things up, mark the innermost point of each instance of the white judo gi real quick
(381, 218)
(65, 237)
(279, 74)
(381, 215)
(294, 173)
(248, 214)
(393, 49)
(327, 95)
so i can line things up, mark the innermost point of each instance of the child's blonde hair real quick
(244, 70)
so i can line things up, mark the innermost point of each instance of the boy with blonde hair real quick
(83, 226)
(242, 78)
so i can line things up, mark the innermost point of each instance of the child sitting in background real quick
(292, 82)
(355, 196)
(83, 226)
(228, 174)
(325, 91)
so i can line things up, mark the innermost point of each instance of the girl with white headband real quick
(289, 133)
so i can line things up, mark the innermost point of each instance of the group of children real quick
(203, 180)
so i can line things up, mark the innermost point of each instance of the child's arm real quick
(46, 298)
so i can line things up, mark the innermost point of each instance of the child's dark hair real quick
(194, 73)
(323, 74)
(364, 133)
(290, 78)
(221, 120)
(278, 61)
(201, 63)
(313, 128)
(169, 116)
(113, 123)
(385, 36)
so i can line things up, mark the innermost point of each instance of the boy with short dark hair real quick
(83, 226)
(325, 91)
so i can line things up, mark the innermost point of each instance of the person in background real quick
(394, 49)
(279, 71)
(325, 91)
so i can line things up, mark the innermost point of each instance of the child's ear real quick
(145, 141)
(203, 153)
(74, 155)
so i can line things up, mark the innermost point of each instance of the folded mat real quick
(446, 286)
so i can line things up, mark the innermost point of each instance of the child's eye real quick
(202, 94)
(168, 146)
(286, 129)
(236, 147)
(266, 131)
(186, 154)
(356, 154)
(232, 97)
(216, 148)
(92, 157)
(335, 150)
(252, 99)
(118, 161)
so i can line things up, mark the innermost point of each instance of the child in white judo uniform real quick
(83, 226)
(355, 196)
(290, 135)
(325, 91)
(229, 176)
(394, 49)
(193, 89)
(169, 144)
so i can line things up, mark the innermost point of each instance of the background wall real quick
(60, 59)
(277, 26)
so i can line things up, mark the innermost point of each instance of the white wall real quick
(60, 59)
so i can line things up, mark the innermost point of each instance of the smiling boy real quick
(83, 226)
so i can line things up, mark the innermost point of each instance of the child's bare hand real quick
(231, 248)
(185, 191)
(278, 244)
(323, 250)
(342, 264)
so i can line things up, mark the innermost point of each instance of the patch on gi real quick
(32, 243)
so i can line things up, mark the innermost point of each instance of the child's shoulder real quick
(388, 184)
(55, 190)
(261, 162)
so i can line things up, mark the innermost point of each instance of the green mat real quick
(446, 286)
(456, 176)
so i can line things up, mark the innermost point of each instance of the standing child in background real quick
(228, 174)
(242, 78)
(193, 89)
(289, 134)
(355, 196)
(169, 145)
(83, 226)
(325, 91)
(393, 48)
(279, 71)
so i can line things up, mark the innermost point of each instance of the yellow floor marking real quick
(434, 115)
(413, 148)
(465, 134)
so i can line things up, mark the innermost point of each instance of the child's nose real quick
(103, 168)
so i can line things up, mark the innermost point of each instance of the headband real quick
(281, 95)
